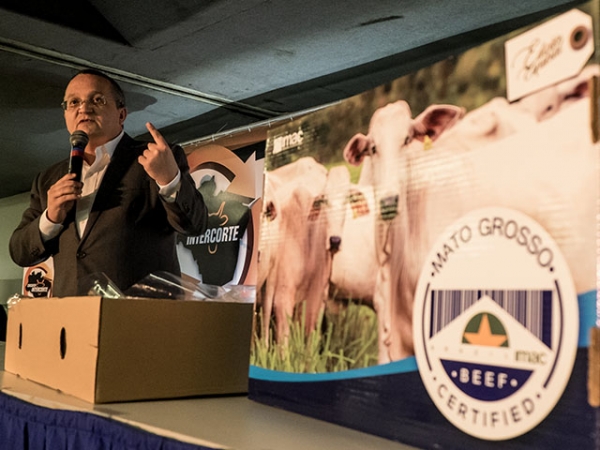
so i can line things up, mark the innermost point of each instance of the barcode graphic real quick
(531, 308)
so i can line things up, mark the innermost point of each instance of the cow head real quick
(546, 102)
(336, 195)
(392, 133)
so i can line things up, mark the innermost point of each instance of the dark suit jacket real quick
(131, 230)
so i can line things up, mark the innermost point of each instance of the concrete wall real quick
(11, 209)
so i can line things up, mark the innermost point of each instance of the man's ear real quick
(122, 115)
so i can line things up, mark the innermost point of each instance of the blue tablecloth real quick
(30, 427)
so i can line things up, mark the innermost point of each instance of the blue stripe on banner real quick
(587, 320)
(587, 316)
(405, 365)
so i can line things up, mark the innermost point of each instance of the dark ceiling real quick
(198, 68)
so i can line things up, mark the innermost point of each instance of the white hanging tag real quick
(549, 53)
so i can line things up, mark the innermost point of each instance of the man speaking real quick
(123, 216)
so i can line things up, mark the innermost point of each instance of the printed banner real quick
(428, 249)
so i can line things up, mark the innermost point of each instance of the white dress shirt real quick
(91, 176)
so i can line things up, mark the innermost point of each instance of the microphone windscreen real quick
(79, 139)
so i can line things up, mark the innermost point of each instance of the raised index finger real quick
(158, 138)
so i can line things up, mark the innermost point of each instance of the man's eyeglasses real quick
(97, 100)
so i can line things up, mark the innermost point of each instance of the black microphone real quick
(78, 140)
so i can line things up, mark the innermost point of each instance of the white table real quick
(221, 422)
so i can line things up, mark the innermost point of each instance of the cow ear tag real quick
(427, 143)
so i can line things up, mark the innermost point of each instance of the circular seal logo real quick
(496, 323)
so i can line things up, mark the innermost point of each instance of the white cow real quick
(293, 260)
(498, 118)
(548, 101)
(392, 127)
(351, 227)
(494, 120)
(354, 264)
(548, 170)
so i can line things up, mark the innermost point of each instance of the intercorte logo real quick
(496, 322)
(288, 141)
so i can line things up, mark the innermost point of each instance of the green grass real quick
(345, 338)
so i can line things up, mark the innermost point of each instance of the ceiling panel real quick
(195, 68)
